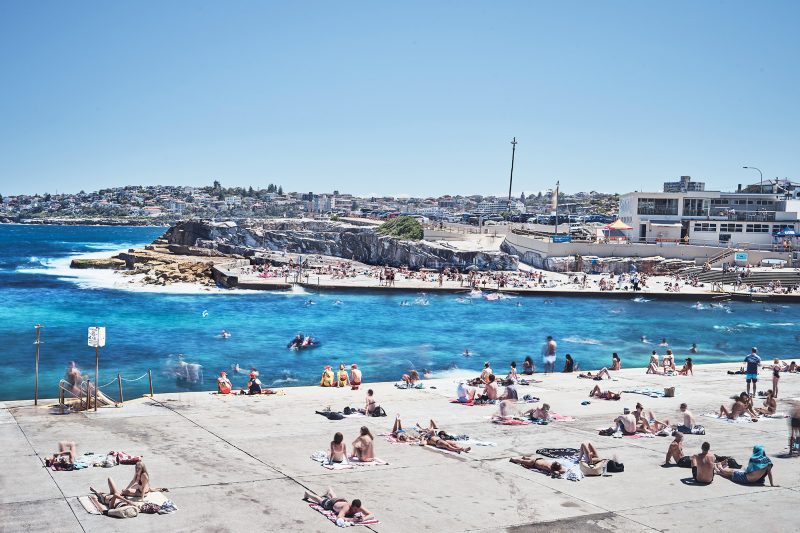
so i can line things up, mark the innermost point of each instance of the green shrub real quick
(403, 228)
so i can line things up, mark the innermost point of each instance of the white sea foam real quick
(581, 340)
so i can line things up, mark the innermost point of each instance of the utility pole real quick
(555, 209)
(511, 178)
(36, 386)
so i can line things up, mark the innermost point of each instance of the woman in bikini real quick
(338, 451)
(616, 364)
(770, 405)
(342, 379)
(112, 500)
(542, 464)
(363, 446)
(140, 484)
(687, 368)
(604, 395)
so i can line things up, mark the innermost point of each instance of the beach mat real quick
(510, 422)
(91, 505)
(740, 420)
(353, 464)
(330, 515)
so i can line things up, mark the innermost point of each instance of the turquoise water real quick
(147, 330)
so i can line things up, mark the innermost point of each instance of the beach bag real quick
(378, 411)
(698, 430)
(348, 410)
(594, 469)
(126, 511)
(614, 467)
(669, 392)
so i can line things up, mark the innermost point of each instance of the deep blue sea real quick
(147, 330)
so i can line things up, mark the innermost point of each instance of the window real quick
(757, 228)
(658, 206)
(705, 226)
(695, 207)
(730, 228)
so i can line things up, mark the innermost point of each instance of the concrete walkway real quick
(242, 463)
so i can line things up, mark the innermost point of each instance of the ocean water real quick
(385, 334)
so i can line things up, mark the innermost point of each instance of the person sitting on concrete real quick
(352, 512)
(616, 363)
(758, 468)
(686, 370)
(539, 413)
(604, 395)
(596, 377)
(543, 464)
(675, 452)
(739, 407)
(114, 499)
(223, 383)
(490, 390)
(588, 453)
(626, 423)
(465, 394)
(411, 378)
(688, 419)
(668, 362)
(328, 378)
(65, 457)
(703, 465)
(140, 484)
(652, 367)
(370, 405)
(338, 452)
(770, 405)
(647, 424)
(432, 439)
(363, 448)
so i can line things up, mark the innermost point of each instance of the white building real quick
(709, 217)
(496, 207)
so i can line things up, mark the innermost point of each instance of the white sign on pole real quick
(97, 337)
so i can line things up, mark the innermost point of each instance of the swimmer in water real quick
(225, 334)
(205, 313)
(693, 349)
(664, 342)
(643, 339)
(466, 352)
(337, 302)
(309, 302)
(427, 374)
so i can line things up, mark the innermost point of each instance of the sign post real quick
(36, 385)
(97, 338)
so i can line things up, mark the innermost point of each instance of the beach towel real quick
(405, 385)
(510, 422)
(354, 463)
(469, 403)
(740, 420)
(330, 515)
(561, 418)
(776, 415)
(559, 453)
(647, 391)
(640, 436)
(91, 505)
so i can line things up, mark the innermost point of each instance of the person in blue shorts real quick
(753, 361)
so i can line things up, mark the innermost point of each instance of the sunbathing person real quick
(647, 424)
(539, 413)
(548, 466)
(688, 419)
(465, 394)
(363, 449)
(668, 361)
(140, 484)
(675, 450)
(114, 499)
(431, 439)
(596, 377)
(223, 383)
(370, 405)
(758, 468)
(703, 465)
(739, 407)
(652, 367)
(770, 405)
(616, 363)
(345, 512)
(604, 395)
(410, 435)
(411, 378)
(490, 390)
(588, 452)
(338, 452)
(687, 368)
(65, 457)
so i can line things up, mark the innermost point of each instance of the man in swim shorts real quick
(549, 355)
(753, 361)
(703, 465)
(345, 512)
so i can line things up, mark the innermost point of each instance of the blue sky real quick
(418, 98)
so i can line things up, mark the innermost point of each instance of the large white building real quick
(709, 217)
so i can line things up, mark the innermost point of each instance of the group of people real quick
(254, 385)
(341, 378)
(362, 450)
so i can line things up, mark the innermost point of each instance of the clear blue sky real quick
(420, 98)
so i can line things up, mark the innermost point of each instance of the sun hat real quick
(354, 365)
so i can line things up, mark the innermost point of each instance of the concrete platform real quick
(234, 463)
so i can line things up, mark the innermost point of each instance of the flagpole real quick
(555, 232)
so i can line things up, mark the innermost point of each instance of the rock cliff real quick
(338, 239)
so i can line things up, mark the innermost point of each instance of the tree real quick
(280, 190)
(402, 228)
(217, 185)
(251, 192)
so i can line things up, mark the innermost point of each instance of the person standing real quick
(753, 361)
(549, 355)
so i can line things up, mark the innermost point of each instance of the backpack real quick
(378, 411)
(348, 410)
(615, 467)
